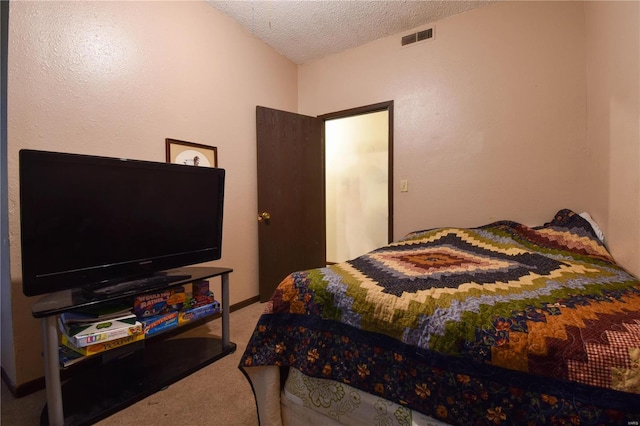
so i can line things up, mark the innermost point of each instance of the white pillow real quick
(593, 224)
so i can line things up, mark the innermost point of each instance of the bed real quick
(502, 324)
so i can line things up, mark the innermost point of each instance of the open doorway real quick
(358, 181)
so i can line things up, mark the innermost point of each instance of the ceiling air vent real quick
(423, 35)
(408, 39)
(416, 37)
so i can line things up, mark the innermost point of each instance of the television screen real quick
(90, 221)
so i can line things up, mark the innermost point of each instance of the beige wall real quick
(613, 124)
(116, 79)
(489, 115)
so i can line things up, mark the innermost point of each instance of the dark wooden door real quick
(291, 199)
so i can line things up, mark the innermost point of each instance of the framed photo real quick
(192, 154)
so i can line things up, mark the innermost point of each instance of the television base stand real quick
(97, 391)
(129, 373)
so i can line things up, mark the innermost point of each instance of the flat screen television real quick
(93, 222)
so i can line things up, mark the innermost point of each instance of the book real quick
(79, 319)
(95, 313)
(81, 335)
(68, 356)
(101, 346)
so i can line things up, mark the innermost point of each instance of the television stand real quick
(128, 375)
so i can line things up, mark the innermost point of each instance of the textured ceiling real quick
(307, 30)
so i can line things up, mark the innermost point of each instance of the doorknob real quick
(264, 216)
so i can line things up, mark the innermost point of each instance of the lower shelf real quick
(100, 389)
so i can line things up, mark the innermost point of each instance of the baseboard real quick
(9, 383)
(39, 383)
(244, 303)
(25, 388)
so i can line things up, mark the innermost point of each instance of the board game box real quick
(151, 304)
(101, 331)
(199, 312)
(101, 346)
(156, 324)
(201, 295)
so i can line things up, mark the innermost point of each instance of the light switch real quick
(404, 185)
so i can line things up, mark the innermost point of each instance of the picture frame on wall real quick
(190, 153)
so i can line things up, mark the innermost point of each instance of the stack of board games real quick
(159, 311)
(91, 332)
(168, 309)
(202, 303)
(97, 329)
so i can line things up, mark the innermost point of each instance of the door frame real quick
(367, 109)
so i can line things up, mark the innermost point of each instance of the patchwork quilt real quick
(500, 324)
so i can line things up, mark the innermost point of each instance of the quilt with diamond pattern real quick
(500, 324)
